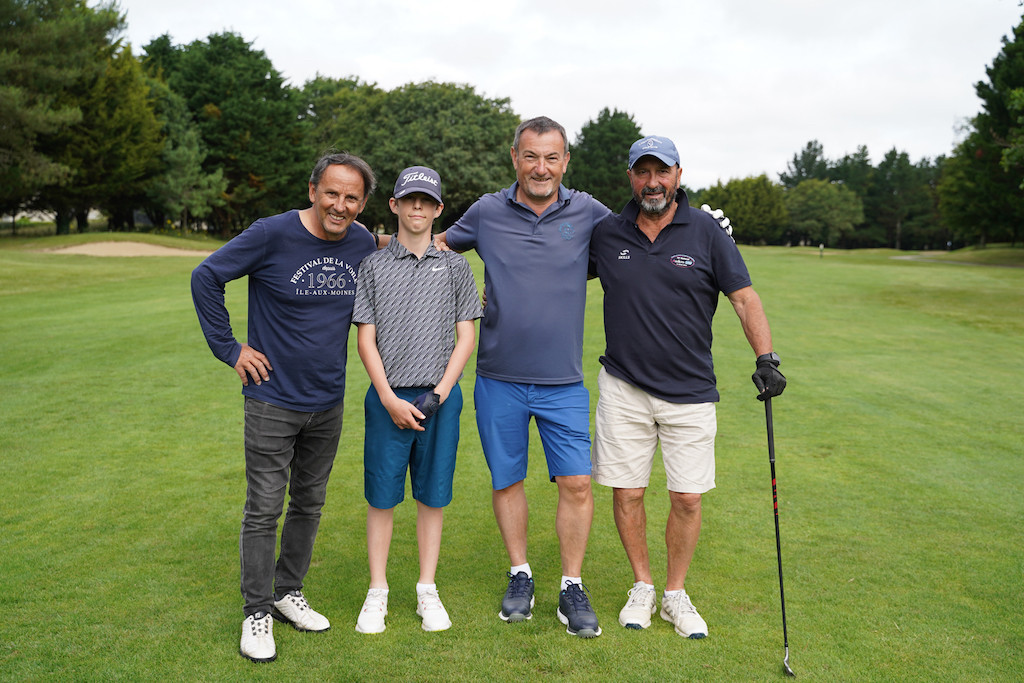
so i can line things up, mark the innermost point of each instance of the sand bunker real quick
(128, 249)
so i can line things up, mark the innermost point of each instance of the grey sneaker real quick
(640, 605)
(575, 612)
(518, 601)
(678, 610)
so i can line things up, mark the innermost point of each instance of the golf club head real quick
(785, 665)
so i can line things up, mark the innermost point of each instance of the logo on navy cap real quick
(418, 179)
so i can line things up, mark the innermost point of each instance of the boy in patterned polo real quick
(415, 310)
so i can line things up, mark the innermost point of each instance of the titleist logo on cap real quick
(418, 175)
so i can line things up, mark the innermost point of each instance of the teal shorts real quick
(428, 456)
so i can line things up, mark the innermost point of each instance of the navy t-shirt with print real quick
(301, 292)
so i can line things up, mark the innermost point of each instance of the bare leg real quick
(429, 522)
(379, 525)
(572, 521)
(681, 533)
(512, 514)
(631, 521)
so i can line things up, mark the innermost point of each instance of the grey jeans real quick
(283, 446)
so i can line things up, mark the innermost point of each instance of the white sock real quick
(422, 588)
(669, 594)
(641, 584)
(570, 579)
(525, 567)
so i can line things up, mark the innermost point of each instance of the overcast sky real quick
(740, 85)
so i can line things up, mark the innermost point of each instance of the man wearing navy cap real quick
(662, 266)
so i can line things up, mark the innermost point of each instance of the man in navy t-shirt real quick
(301, 267)
(663, 266)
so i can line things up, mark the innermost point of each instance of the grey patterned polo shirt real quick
(415, 304)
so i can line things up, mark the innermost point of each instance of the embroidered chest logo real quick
(567, 231)
(624, 255)
(682, 261)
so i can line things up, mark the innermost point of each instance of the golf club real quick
(778, 543)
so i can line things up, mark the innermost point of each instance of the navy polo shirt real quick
(660, 299)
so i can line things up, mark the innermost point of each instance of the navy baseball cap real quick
(660, 148)
(419, 179)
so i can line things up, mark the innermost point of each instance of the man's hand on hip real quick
(252, 363)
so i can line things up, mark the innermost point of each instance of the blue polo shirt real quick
(660, 298)
(535, 279)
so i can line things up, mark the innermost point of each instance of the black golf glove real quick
(767, 378)
(427, 403)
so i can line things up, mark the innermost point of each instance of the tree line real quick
(208, 135)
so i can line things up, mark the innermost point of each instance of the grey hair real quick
(540, 125)
(345, 159)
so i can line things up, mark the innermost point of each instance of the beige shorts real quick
(630, 422)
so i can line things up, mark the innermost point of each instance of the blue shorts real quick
(503, 412)
(429, 456)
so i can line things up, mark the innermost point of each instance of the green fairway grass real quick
(900, 462)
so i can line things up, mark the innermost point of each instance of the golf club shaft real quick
(778, 541)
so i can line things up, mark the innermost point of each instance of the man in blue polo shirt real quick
(662, 266)
(534, 240)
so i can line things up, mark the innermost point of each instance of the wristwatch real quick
(772, 358)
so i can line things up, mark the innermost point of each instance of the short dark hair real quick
(540, 125)
(333, 158)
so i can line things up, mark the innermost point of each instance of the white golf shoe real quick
(680, 612)
(258, 638)
(375, 608)
(640, 605)
(429, 607)
(293, 609)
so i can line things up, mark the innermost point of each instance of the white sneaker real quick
(258, 638)
(435, 616)
(642, 603)
(375, 608)
(293, 609)
(678, 610)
